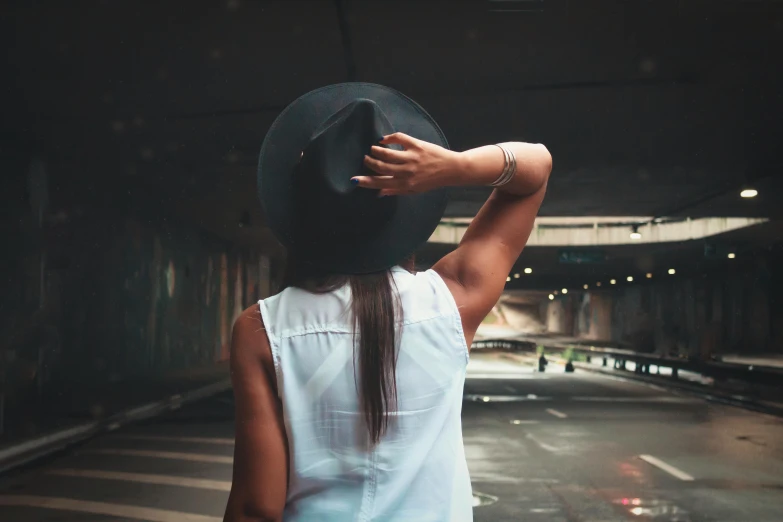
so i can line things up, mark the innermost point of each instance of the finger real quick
(400, 138)
(381, 167)
(374, 182)
(389, 155)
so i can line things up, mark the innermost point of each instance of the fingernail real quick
(354, 181)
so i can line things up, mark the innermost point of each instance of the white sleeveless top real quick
(418, 471)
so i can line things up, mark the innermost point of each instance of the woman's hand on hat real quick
(422, 166)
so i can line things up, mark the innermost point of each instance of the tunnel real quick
(631, 368)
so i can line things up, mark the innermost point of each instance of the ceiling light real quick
(635, 235)
(528, 270)
(598, 283)
(671, 271)
(585, 287)
(564, 290)
(551, 297)
(649, 275)
(749, 193)
(629, 279)
(516, 276)
(613, 282)
(732, 255)
(508, 279)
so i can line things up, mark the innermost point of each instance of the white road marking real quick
(194, 457)
(104, 508)
(676, 400)
(187, 482)
(542, 445)
(517, 422)
(196, 440)
(510, 389)
(668, 468)
(505, 376)
(558, 414)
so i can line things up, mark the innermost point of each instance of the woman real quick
(348, 383)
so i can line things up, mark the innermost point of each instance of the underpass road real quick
(541, 447)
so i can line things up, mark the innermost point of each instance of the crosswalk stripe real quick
(104, 508)
(166, 480)
(174, 455)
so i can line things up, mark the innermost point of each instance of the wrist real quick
(459, 172)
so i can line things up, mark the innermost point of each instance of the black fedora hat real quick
(311, 152)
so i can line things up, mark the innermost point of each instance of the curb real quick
(34, 449)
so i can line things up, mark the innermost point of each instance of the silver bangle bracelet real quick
(509, 169)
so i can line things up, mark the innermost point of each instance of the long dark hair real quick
(377, 314)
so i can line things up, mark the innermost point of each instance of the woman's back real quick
(340, 416)
(418, 470)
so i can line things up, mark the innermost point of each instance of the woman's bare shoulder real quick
(248, 337)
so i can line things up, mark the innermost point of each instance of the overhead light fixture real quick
(732, 255)
(649, 275)
(516, 276)
(528, 270)
(613, 282)
(749, 193)
(585, 287)
(564, 290)
(508, 279)
(551, 297)
(672, 271)
(635, 235)
(629, 279)
(598, 283)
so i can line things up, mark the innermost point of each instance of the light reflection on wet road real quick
(593, 448)
(551, 447)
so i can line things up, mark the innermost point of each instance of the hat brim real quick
(416, 216)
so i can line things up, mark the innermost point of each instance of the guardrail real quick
(763, 375)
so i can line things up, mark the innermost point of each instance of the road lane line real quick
(196, 440)
(505, 376)
(542, 445)
(510, 389)
(104, 508)
(668, 468)
(174, 455)
(674, 400)
(166, 480)
(558, 414)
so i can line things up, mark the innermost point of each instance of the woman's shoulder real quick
(424, 296)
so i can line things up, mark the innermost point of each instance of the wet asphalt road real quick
(541, 447)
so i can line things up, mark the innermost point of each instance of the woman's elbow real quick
(545, 161)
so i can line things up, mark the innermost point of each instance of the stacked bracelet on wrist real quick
(509, 169)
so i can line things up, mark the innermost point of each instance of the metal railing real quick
(717, 370)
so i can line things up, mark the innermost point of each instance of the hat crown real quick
(331, 211)
(309, 155)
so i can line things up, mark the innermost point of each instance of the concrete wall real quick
(95, 296)
(737, 314)
(525, 318)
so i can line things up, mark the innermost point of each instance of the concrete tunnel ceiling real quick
(650, 108)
